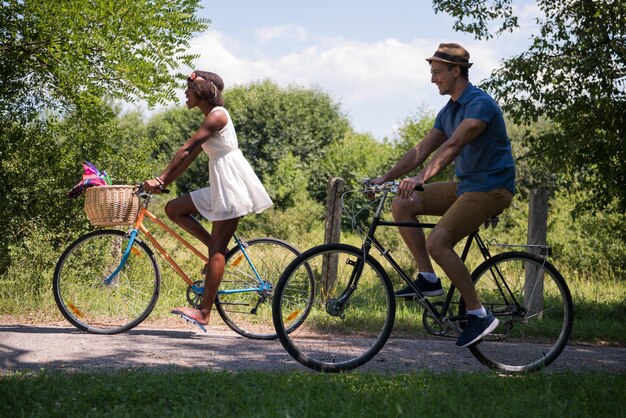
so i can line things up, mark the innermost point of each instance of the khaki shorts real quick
(462, 215)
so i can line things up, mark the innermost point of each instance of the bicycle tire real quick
(94, 306)
(249, 313)
(535, 323)
(334, 338)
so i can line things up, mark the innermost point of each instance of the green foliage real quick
(58, 54)
(288, 184)
(34, 174)
(474, 17)
(356, 156)
(574, 75)
(273, 122)
(61, 65)
(27, 284)
(592, 243)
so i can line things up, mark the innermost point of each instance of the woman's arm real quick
(188, 152)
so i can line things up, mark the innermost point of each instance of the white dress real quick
(234, 190)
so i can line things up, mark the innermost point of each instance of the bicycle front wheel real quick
(534, 306)
(244, 300)
(352, 313)
(95, 300)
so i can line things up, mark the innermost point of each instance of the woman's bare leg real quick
(221, 234)
(180, 211)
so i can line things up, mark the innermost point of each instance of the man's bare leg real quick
(440, 246)
(406, 211)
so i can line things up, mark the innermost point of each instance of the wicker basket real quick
(111, 205)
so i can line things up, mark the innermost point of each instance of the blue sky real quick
(368, 55)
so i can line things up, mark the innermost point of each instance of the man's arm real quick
(465, 133)
(415, 156)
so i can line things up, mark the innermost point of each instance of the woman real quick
(234, 190)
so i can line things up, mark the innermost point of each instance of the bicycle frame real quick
(138, 226)
(370, 240)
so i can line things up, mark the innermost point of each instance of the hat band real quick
(449, 57)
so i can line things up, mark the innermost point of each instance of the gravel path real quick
(61, 347)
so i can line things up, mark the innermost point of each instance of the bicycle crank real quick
(434, 327)
(195, 293)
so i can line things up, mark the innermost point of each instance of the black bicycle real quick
(354, 305)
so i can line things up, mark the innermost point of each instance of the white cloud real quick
(379, 83)
(288, 31)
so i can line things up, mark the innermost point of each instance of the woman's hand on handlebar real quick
(152, 185)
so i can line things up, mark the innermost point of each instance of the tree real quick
(61, 65)
(573, 74)
(62, 55)
(273, 122)
(356, 156)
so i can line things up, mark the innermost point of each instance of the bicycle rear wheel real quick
(533, 303)
(93, 304)
(352, 313)
(242, 302)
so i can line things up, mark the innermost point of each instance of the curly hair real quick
(207, 86)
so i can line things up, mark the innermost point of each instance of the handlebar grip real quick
(140, 189)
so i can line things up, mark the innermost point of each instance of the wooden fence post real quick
(537, 231)
(332, 232)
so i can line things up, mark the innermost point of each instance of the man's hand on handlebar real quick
(409, 185)
(376, 182)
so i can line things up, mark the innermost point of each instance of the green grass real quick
(177, 393)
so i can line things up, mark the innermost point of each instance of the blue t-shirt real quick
(486, 163)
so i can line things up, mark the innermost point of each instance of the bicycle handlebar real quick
(391, 186)
(142, 193)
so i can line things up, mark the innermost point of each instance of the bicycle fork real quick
(127, 251)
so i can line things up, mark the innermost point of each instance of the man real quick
(470, 131)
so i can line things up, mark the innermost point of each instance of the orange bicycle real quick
(108, 281)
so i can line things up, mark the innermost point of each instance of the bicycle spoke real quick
(249, 313)
(98, 307)
(534, 307)
(350, 317)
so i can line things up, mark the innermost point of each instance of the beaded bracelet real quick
(159, 180)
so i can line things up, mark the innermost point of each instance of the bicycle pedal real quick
(193, 321)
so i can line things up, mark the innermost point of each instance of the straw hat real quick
(452, 54)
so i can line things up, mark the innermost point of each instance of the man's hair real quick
(207, 86)
(464, 70)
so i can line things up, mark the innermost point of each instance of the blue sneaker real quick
(476, 328)
(424, 286)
